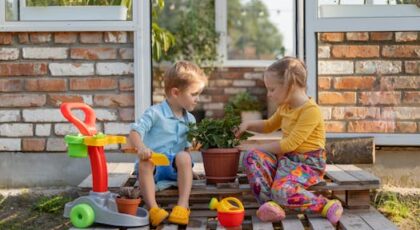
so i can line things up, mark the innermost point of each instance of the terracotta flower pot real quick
(220, 165)
(127, 206)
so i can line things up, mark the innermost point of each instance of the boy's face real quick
(276, 90)
(188, 98)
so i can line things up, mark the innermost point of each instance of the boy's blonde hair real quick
(290, 71)
(181, 75)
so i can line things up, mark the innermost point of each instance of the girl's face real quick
(188, 98)
(276, 89)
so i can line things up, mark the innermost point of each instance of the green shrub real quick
(244, 102)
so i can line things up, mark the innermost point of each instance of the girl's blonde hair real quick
(181, 75)
(290, 71)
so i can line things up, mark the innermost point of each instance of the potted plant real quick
(247, 106)
(218, 142)
(70, 10)
(128, 200)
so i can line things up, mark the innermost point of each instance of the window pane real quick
(68, 10)
(11, 10)
(260, 29)
(367, 8)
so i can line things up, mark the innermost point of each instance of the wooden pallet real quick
(349, 183)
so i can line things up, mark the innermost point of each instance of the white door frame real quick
(314, 25)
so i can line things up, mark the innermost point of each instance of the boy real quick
(163, 128)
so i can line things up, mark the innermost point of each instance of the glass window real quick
(367, 8)
(260, 29)
(68, 10)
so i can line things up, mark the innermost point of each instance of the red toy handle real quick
(87, 127)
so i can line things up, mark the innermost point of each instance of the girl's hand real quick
(241, 129)
(144, 153)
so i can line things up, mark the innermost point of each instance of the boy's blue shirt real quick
(162, 131)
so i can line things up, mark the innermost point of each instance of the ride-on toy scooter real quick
(99, 206)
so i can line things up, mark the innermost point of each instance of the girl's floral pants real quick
(285, 180)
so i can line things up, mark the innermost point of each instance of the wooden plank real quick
(350, 221)
(167, 226)
(357, 199)
(353, 150)
(364, 176)
(292, 224)
(198, 223)
(339, 176)
(376, 220)
(320, 223)
(120, 174)
(257, 224)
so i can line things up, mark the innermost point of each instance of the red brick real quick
(114, 100)
(93, 53)
(23, 69)
(57, 99)
(335, 126)
(332, 37)
(403, 51)
(354, 83)
(324, 82)
(23, 38)
(91, 37)
(6, 38)
(381, 36)
(411, 97)
(393, 83)
(357, 36)
(380, 98)
(406, 127)
(336, 98)
(127, 84)
(213, 91)
(40, 37)
(355, 51)
(33, 144)
(22, 100)
(126, 114)
(46, 85)
(11, 85)
(65, 37)
(412, 67)
(93, 83)
(371, 127)
(355, 113)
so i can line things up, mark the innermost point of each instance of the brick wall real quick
(224, 83)
(39, 71)
(370, 82)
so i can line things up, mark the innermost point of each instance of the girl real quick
(280, 172)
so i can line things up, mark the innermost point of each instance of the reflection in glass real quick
(11, 10)
(260, 29)
(367, 8)
(34, 10)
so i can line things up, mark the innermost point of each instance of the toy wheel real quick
(82, 216)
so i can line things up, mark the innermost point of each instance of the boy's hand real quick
(144, 153)
(241, 129)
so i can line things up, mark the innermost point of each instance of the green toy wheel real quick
(82, 216)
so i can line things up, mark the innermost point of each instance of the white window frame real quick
(140, 26)
(221, 27)
(315, 25)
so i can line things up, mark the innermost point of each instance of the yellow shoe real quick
(179, 215)
(157, 215)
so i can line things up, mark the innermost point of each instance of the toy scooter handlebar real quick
(87, 127)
